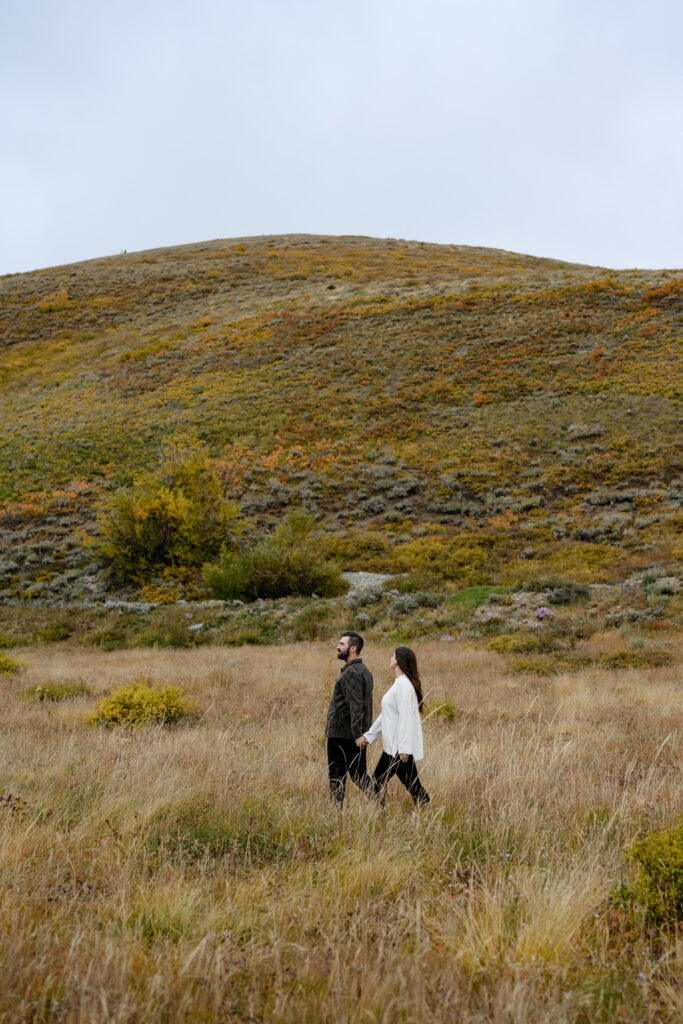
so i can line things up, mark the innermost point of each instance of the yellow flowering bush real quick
(172, 517)
(660, 885)
(140, 704)
(8, 665)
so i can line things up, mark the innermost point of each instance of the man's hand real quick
(403, 757)
(361, 742)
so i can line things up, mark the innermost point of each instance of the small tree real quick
(176, 515)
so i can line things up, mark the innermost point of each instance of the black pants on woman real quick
(389, 765)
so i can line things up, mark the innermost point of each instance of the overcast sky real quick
(550, 127)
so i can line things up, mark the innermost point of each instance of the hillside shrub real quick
(470, 598)
(140, 704)
(634, 659)
(312, 623)
(660, 884)
(288, 561)
(575, 661)
(461, 558)
(12, 641)
(60, 629)
(168, 629)
(409, 602)
(359, 549)
(522, 643)
(113, 637)
(409, 582)
(174, 516)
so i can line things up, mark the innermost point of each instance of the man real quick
(349, 716)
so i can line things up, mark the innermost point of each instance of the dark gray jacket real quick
(350, 713)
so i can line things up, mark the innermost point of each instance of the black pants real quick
(389, 765)
(344, 757)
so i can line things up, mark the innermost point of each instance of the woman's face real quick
(392, 661)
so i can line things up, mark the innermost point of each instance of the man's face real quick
(343, 649)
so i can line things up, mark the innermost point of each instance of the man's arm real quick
(354, 699)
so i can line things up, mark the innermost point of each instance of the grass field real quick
(199, 873)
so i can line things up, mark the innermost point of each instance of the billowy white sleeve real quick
(375, 729)
(406, 701)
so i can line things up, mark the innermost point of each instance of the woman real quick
(401, 729)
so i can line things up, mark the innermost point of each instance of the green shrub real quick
(660, 885)
(472, 597)
(359, 548)
(110, 638)
(286, 562)
(444, 710)
(60, 629)
(169, 629)
(633, 659)
(248, 638)
(140, 704)
(409, 582)
(560, 591)
(465, 601)
(312, 622)
(12, 641)
(9, 666)
(544, 665)
(57, 691)
(523, 643)
(573, 661)
(251, 835)
(195, 832)
(470, 559)
(175, 516)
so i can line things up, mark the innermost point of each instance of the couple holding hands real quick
(350, 728)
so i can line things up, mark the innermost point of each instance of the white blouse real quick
(399, 721)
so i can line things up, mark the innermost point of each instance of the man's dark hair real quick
(356, 640)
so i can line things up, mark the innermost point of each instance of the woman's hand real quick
(404, 757)
(361, 742)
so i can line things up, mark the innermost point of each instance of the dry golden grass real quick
(199, 873)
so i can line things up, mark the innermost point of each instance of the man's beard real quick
(343, 657)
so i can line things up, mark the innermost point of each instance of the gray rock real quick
(365, 582)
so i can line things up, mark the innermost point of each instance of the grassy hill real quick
(408, 390)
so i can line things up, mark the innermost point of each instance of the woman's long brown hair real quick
(407, 662)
